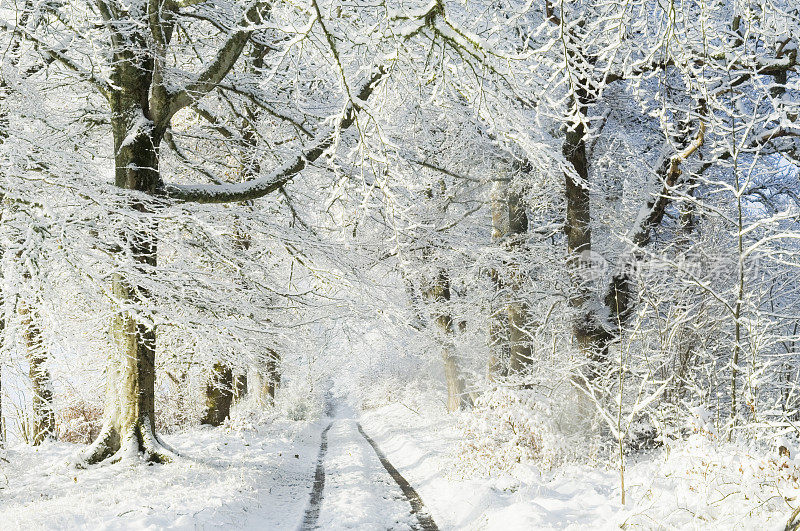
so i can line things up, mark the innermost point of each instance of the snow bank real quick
(698, 483)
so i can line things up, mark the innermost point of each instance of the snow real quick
(260, 477)
(377, 258)
(358, 492)
(247, 479)
(139, 125)
(700, 483)
(425, 451)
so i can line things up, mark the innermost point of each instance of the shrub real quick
(511, 426)
(79, 422)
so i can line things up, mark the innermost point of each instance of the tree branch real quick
(215, 72)
(659, 206)
(257, 188)
(54, 55)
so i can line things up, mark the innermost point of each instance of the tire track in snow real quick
(418, 508)
(314, 504)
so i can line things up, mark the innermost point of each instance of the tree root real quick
(139, 443)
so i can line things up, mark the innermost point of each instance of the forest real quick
(399, 264)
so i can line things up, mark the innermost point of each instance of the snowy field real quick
(260, 477)
(252, 478)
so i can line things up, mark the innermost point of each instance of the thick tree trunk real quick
(457, 397)
(219, 396)
(589, 331)
(499, 352)
(518, 313)
(129, 415)
(43, 423)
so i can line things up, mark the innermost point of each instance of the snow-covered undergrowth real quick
(510, 426)
(417, 395)
(700, 482)
(241, 476)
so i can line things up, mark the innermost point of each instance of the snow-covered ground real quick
(358, 491)
(260, 477)
(700, 483)
(236, 479)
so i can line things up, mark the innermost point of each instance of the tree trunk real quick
(265, 380)
(518, 313)
(589, 331)
(129, 414)
(499, 352)
(219, 396)
(273, 375)
(43, 425)
(457, 397)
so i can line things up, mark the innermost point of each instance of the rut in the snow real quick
(312, 513)
(418, 508)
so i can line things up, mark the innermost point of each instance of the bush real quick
(511, 426)
(79, 422)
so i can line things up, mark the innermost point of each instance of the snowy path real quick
(356, 487)
(317, 490)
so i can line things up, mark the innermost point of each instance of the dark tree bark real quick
(138, 127)
(219, 396)
(273, 375)
(588, 328)
(518, 313)
(43, 423)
